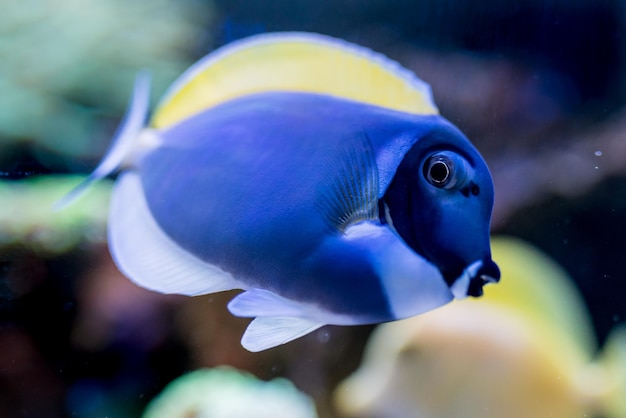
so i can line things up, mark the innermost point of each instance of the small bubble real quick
(598, 153)
(615, 318)
(323, 336)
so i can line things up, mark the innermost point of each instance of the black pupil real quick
(439, 172)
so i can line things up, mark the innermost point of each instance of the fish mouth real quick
(486, 274)
(474, 277)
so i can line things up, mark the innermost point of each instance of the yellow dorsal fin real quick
(293, 61)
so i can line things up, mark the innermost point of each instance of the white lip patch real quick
(461, 285)
(389, 220)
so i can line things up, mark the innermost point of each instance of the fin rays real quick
(353, 196)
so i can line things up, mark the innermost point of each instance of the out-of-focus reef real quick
(28, 220)
(226, 393)
(68, 66)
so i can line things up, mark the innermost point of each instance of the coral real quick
(27, 217)
(66, 64)
(227, 393)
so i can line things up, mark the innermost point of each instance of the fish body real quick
(327, 206)
(278, 230)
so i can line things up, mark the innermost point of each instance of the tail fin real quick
(127, 132)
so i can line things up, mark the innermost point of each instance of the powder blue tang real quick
(324, 208)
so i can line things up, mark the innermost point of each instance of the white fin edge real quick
(146, 255)
(268, 332)
(127, 133)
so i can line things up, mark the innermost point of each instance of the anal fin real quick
(278, 319)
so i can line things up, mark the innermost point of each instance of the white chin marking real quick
(389, 220)
(460, 285)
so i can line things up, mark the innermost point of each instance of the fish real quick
(526, 349)
(313, 174)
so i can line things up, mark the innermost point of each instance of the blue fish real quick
(314, 174)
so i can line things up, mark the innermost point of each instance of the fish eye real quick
(445, 170)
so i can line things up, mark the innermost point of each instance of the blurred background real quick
(539, 86)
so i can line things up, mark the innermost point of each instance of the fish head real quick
(440, 202)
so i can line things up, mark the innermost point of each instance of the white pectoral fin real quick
(412, 284)
(278, 320)
(144, 253)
